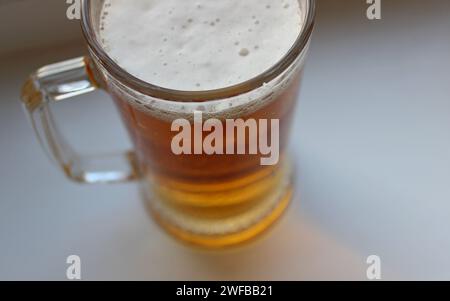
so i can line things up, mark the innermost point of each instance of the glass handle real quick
(62, 81)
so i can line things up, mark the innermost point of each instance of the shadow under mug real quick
(210, 200)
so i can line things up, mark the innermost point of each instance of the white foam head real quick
(196, 45)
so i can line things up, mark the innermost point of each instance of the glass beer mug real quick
(210, 200)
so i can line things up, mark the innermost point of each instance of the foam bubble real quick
(244, 52)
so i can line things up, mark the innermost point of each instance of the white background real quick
(371, 139)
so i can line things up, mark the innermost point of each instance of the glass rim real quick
(195, 96)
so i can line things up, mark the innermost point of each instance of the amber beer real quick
(206, 189)
(152, 137)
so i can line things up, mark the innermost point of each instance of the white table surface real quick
(371, 139)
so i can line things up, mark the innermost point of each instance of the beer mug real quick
(209, 199)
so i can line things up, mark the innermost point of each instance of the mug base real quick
(216, 225)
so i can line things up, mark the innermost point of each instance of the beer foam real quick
(197, 45)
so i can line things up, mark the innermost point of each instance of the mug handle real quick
(61, 81)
